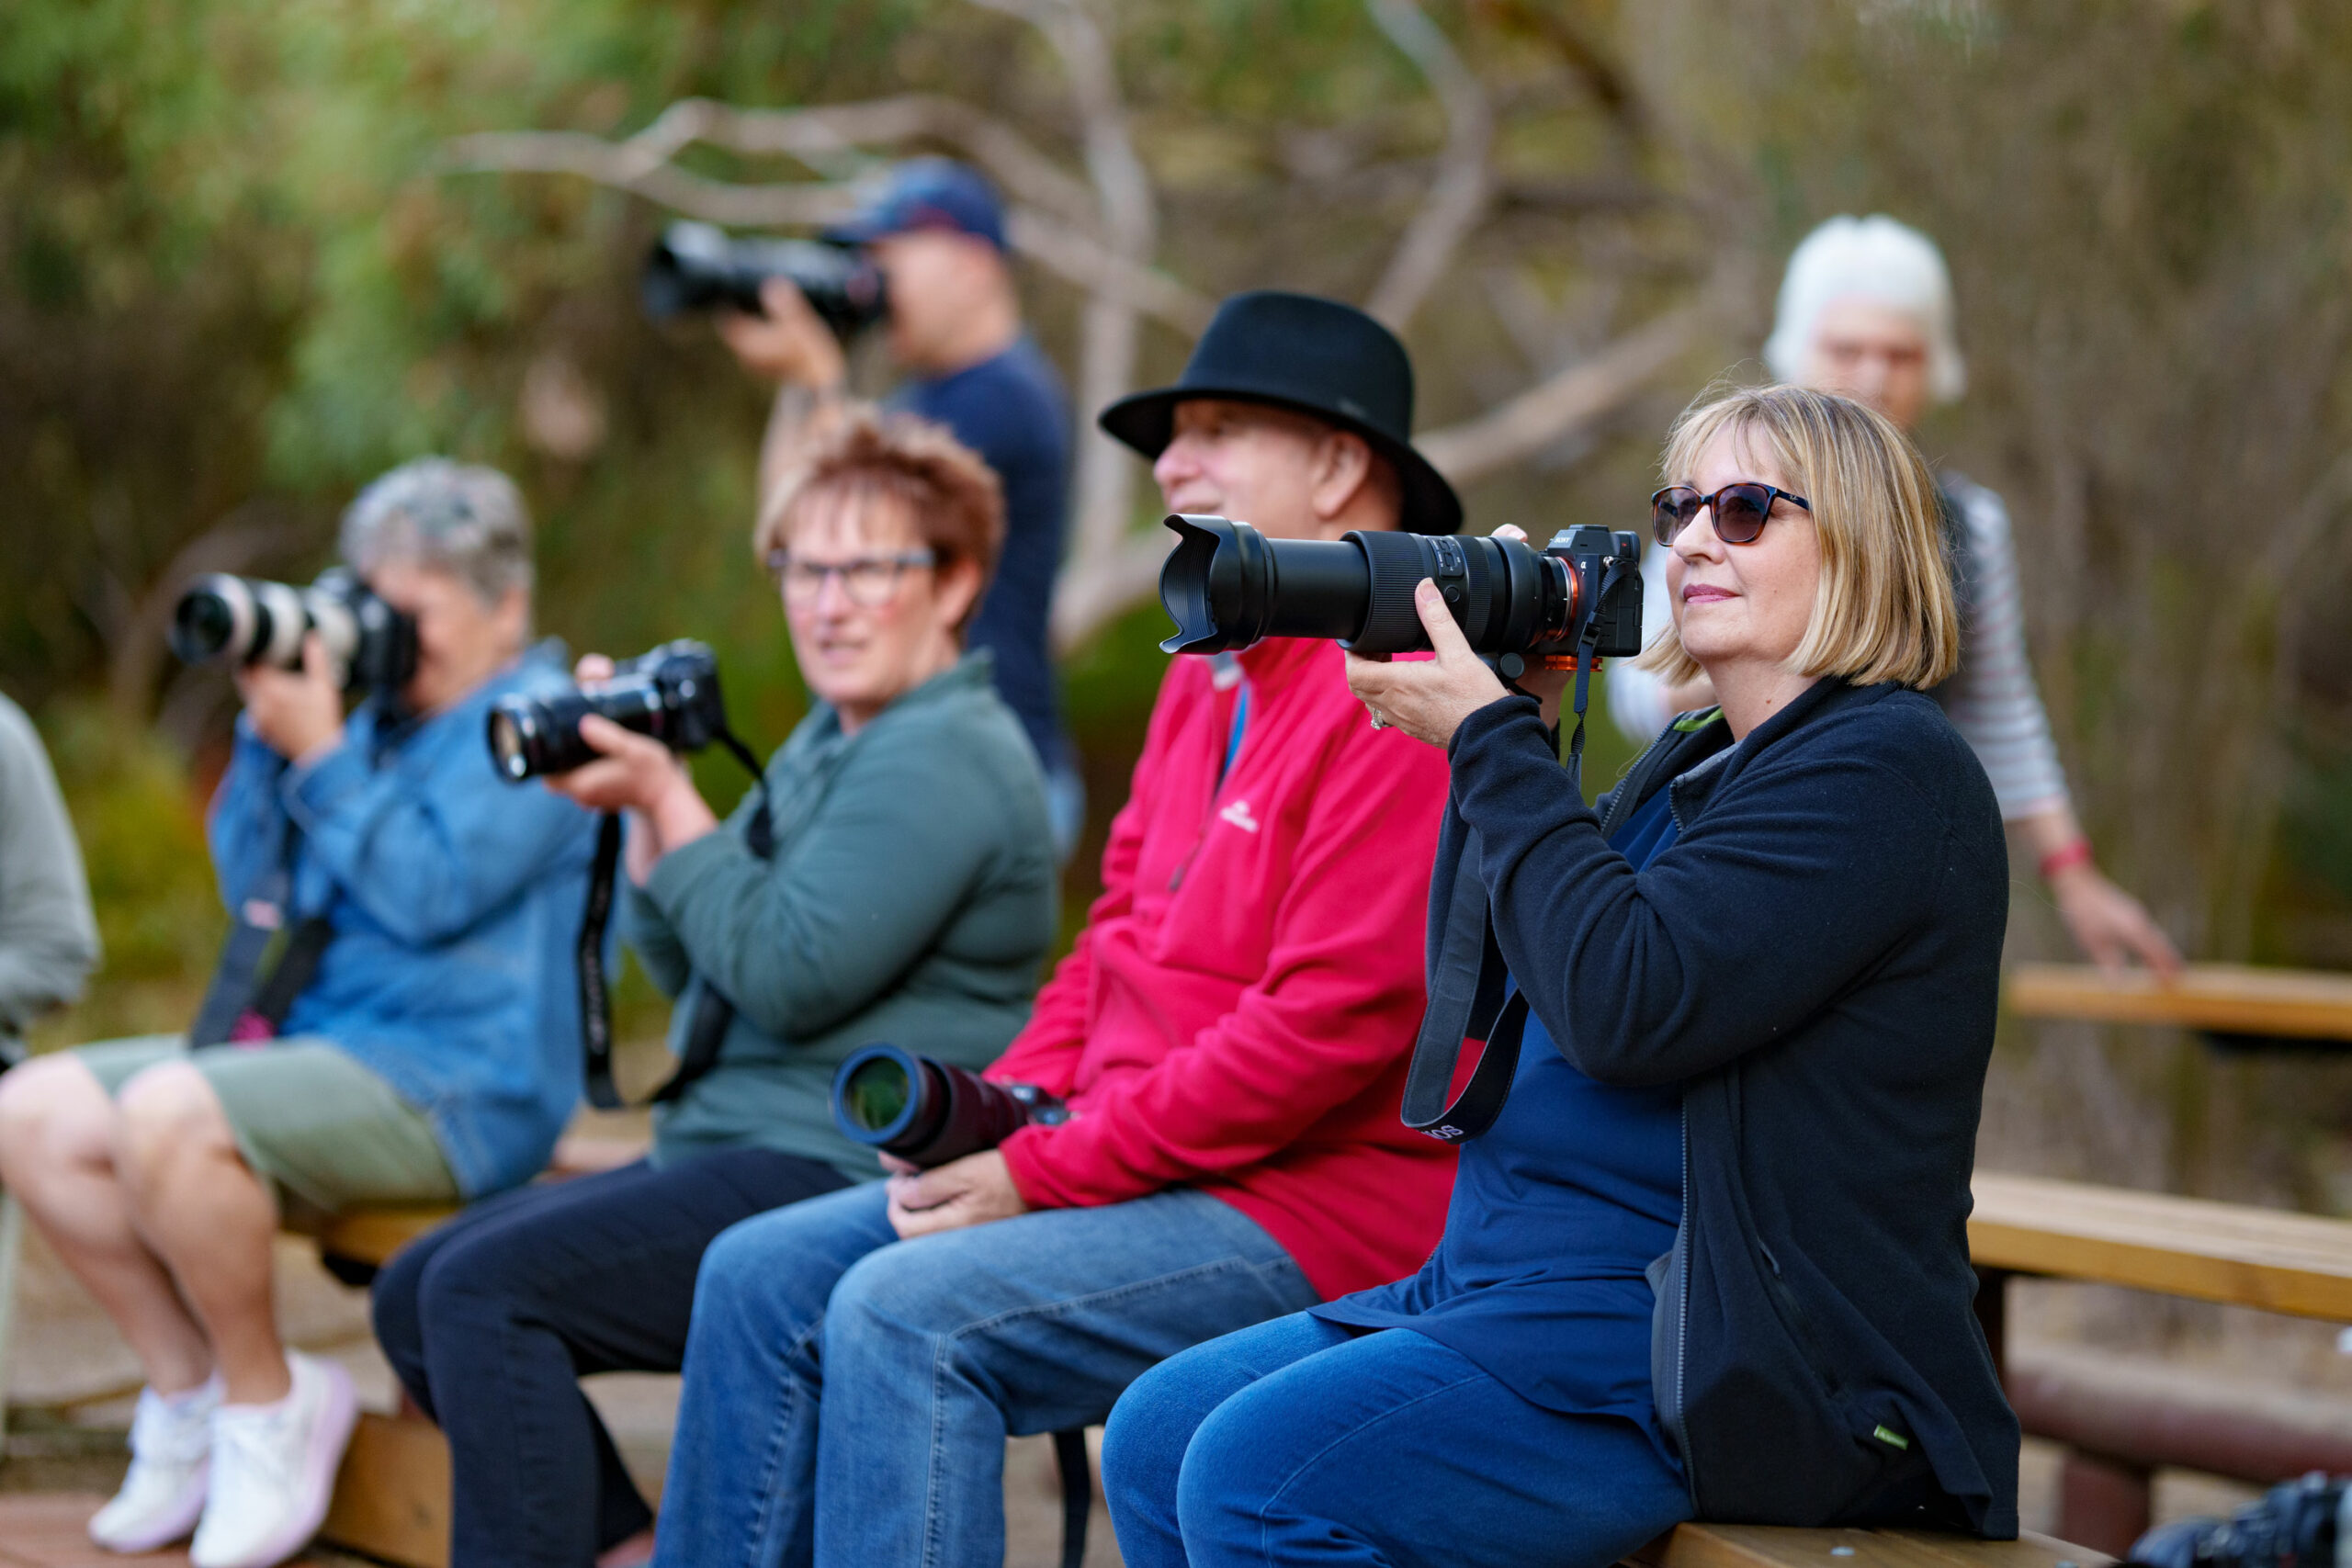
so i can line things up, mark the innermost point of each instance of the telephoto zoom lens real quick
(246, 620)
(927, 1113)
(1225, 585)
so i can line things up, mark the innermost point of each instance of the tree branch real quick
(1102, 488)
(1555, 407)
(820, 136)
(623, 165)
(1073, 252)
(1457, 195)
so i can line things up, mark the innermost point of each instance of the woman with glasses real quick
(907, 895)
(1866, 311)
(1707, 1251)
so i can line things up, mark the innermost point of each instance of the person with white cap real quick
(1866, 310)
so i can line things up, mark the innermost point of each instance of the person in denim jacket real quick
(433, 1056)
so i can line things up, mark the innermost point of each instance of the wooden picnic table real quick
(2237, 1002)
(2114, 1439)
(2153, 1241)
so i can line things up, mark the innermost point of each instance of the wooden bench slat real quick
(2152, 1241)
(1771, 1546)
(2230, 998)
(372, 1235)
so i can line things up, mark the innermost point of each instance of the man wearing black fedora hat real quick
(1230, 1032)
(1317, 393)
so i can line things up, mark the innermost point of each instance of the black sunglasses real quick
(1740, 511)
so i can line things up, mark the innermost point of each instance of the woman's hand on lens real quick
(592, 667)
(633, 773)
(1428, 698)
(298, 714)
(969, 1192)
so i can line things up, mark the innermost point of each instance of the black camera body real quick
(2303, 1524)
(226, 620)
(1225, 585)
(927, 1113)
(671, 693)
(695, 267)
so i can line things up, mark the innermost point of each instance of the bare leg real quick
(57, 1138)
(209, 1218)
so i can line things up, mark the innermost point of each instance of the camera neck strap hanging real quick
(713, 1014)
(1468, 997)
(265, 963)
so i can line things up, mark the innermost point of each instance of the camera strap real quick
(1468, 997)
(713, 1014)
(1466, 1001)
(264, 963)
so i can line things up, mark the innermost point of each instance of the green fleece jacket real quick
(910, 898)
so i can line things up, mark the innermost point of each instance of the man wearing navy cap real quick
(937, 233)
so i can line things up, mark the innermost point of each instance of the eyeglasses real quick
(1740, 511)
(869, 580)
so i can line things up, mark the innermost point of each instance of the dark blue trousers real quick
(491, 1320)
(1300, 1442)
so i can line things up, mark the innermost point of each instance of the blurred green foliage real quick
(142, 845)
(233, 287)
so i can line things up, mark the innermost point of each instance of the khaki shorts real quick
(323, 1131)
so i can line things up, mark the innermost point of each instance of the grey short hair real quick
(468, 520)
(1879, 260)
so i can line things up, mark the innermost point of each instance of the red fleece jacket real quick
(1239, 1012)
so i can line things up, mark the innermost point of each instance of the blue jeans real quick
(1298, 1442)
(848, 1394)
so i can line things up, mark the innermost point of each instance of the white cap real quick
(1879, 260)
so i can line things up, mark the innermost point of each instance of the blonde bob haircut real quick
(1885, 609)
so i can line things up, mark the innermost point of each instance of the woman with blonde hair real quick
(1866, 311)
(1707, 1251)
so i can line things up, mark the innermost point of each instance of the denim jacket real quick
(455, 900)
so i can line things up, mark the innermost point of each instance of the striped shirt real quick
(1991, 701)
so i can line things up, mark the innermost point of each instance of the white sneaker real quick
(273, 1469)
(171, 1454)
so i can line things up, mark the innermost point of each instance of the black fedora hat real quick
(1313, 355)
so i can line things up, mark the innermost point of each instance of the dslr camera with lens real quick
(695, 267)
(2304, 1524)
(927, 1112)
(247, 620)
(1225, 585)
(670, 693)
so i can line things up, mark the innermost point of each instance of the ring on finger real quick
(1379, 719)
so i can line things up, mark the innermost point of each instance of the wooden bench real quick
(2297, 1264)
(392, 1498)
(2235, 1004)
(1767, 1545)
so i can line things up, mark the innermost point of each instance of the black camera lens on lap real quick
(224, 619)
(1225, 585)
(2304, 1524)
(671, 693)
(695, 267)
(927, 1113)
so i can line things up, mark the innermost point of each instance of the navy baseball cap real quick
(927, 193)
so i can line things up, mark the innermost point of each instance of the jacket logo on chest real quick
(1239, 814)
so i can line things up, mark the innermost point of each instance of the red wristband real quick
(2065, 857)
